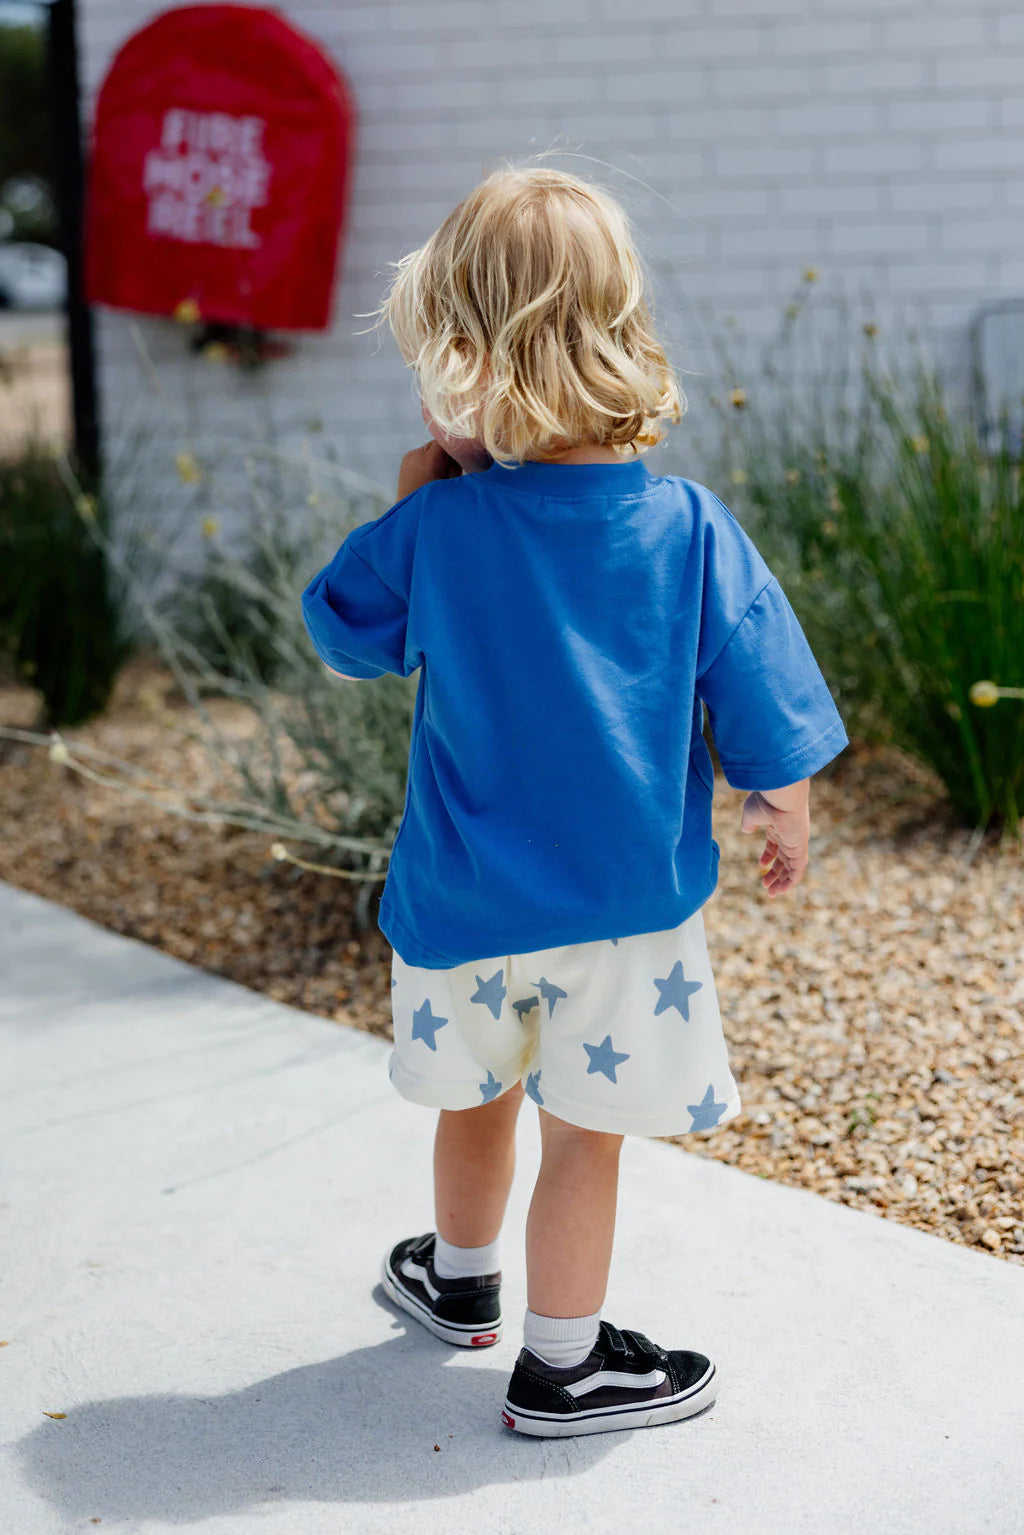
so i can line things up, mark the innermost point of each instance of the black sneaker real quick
(463, 1311)
(626, 1381)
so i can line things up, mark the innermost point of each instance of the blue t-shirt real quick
(568, 619)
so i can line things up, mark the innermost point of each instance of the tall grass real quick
(63, 627)
(322, 763)
(899, 540)
(942, 551)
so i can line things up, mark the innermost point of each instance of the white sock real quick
(465, 1262)
(560, 1340)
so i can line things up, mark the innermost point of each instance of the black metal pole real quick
(69, 187)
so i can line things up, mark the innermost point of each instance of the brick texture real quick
(880, 141)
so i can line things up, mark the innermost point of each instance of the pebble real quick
(874, 1014)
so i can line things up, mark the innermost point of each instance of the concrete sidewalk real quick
(197, 1186)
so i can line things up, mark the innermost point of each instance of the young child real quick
(569, 612)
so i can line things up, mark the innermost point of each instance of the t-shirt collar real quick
(630, 477)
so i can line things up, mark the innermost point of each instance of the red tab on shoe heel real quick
(509, 1422)
(484, 1337)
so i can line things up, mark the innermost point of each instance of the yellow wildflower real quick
(792, 310)
(829, 528)
(919, 444)
(187, 312)
(211, 527)
(738, 397)
(811, 274)
(871, 330)
(278, 851)
(984, 694)
(188, 468)
(59, 752)
(85, 506)
(792, 476)
(215, 351)
(739, 477)
(313, 499)
(215, 196)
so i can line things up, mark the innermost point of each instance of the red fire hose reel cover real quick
(221, 163)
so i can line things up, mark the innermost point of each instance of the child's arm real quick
(344, 675)
(786, 814)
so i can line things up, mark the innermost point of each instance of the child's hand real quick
(472, 455)
(421, 465)
(788, 834)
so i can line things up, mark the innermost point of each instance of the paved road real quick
(197, 1184)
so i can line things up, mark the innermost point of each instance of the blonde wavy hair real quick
(524, 317)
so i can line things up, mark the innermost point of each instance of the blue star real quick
(604, 1057)
(533, 1087)
(676, 991)
(707, 1112)
(550, 992)
(490, 1089)
(425, 1024)
(491, 993)
(394, 982)
(524, 1006)
(615, 941)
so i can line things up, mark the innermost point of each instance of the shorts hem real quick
(442, 1095)
(650, 1125)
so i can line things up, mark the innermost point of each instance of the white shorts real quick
(621, 1034)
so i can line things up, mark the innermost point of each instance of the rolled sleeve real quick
(772, 716)
(356, 623)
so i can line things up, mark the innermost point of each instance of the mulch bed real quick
(875, 1014)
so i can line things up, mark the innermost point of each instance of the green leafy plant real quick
(61, 621)
(900, 542)
(318, 763)
(942, 552)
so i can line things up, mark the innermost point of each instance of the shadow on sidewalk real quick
(358, 1428)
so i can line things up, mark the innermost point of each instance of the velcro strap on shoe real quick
(612, 1336)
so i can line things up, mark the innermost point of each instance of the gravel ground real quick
(875, 1014)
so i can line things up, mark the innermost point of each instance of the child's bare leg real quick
(571, 1223)
(474, 1160)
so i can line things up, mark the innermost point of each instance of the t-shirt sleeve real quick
(356, 609)
(773, 718)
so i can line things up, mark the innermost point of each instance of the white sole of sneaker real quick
(602, 1420)
(463, 1334)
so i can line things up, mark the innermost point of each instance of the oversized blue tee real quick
(567, 620)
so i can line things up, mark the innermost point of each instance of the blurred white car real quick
(32, 276)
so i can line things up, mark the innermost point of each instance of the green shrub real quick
(60, 618)
(333, 751)
(900, 543)
(942, 551)
(317, 761)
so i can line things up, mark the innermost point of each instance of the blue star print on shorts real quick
(491, 993)
(604, 1058)
(676, 991)
(707, 1112)
(550, 992)
(425, 1024)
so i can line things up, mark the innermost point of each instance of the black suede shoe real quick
(626, 1381)
(462, 1311)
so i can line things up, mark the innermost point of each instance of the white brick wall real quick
(881, 141)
